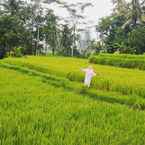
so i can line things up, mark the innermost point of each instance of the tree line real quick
(23, 26)
(124, 30)
(27, 29)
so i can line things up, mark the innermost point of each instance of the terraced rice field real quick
(43, 102)
(125, 81)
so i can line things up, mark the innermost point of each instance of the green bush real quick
(74, 76)
(18, 52)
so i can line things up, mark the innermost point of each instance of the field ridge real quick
(133, 102)
(124, 81)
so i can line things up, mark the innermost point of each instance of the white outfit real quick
(89, 73)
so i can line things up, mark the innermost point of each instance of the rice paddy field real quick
(120, 60)
(43, 102)
(125, 81)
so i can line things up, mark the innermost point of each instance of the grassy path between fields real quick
(110, 79)
(134, 102)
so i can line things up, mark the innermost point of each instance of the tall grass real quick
(33, 112)
(135, 102)
(127, 61)
(125, 81)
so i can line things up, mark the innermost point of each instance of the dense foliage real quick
(124, 29)
(26, 26)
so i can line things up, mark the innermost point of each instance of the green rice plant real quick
(78, 88)
(33, 112)
(125, 81)
(127, 61)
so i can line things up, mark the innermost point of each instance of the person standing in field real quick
(89, 74)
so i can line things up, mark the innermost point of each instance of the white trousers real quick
(87, 81)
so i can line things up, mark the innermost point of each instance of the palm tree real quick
(36, 12)
(136, 12)
(75, 17)
(12, 7)
(121, 7)
(135, 15)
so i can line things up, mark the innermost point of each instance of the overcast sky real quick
(100, 9)
(92, 15)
